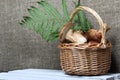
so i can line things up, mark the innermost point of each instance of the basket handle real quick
(101, 24)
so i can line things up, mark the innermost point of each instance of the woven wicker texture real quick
(82, 60)
(91, 61)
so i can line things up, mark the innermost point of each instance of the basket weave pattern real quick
(86, 61)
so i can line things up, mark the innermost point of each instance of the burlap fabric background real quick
(22, 48)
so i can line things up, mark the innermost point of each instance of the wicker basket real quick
(85, 61)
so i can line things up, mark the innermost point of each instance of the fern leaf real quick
(49, 9)
(22, 22)
(80, 18)
(65, 11)
(29, 22)
(48, 21)
(44, 21)
(89, 25)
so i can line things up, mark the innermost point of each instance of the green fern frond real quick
(65, 11)
(80, 19)
(45, 21)
(47, 6)
(48, 21)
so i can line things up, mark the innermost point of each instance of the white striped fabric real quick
(44, 74)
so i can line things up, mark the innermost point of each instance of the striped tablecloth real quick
(44, 74)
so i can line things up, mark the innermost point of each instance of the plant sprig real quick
(48, 21)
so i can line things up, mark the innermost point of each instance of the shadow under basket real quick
(88, 60)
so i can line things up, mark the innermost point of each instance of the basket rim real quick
(70, 24)
(71, 46)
